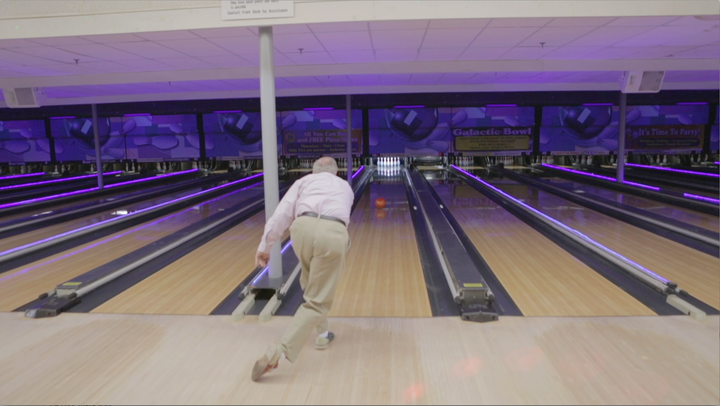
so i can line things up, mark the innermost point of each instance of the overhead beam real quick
(321, 91)
(40, 19)
(251, 72)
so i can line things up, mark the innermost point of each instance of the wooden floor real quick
(542, 278)
(198, 282)
(150, 359)
(693, 271)
(50, 231)
(383, 276)
(692, 217)
(21, 285)
(60, 206)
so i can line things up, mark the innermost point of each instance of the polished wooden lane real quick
(148, 359)
(692, 217)
(53, 230)
(383, 276)
(24, 284)
(693, 271)
(542, 278)
(199, 281)
(61, 206)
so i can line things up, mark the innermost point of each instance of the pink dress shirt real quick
(321, 193)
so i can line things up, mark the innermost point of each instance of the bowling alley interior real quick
(534, 217)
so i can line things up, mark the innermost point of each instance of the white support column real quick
(98, 156)
(349, 139)
(621, 138)
(269, 140)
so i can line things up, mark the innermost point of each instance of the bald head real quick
(325, 164)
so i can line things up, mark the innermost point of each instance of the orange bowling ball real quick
(380, 203)
(380, 214)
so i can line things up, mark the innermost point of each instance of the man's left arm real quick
(277, 224)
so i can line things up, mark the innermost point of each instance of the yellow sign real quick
(473, 285)
(493, 143)
(72, 283)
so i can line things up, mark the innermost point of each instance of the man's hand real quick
(262, 258)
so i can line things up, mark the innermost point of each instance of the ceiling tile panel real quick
(397, 39)
(100, 52)
(195, 47)
(580, 21)
(239, 45)
(60, 41)
(571, 52)
(656, 53)
(18, 43)
(450, 38)
(660, 36)
(223, 32)
(502, 37)
(700, 52)
(147, 49)
(113, 38)
(72, 69)
(607, 36)
(364, 80)
(141, 65)
(486, 77)
(446, 54)
(345, 41)
(230, 61)
(310, 58)
(109, 67)
(54, 54)
(353, 56)
(641, 21)
(455, 78)
(555, 36)
(425, 78)
(613, 53)
(280, 59)
(460, 23)
(334, 80)
(187, 63)
(395, 79)
(167, 35)
(304, 81)
(396, 55)
(483, 54)
(526, 53)
(291, 42)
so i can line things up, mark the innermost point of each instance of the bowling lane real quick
(46, 232)
(383, 275)
(199, 281)
(693, 271)
(692, 217)
(542, 278)
(24, 284)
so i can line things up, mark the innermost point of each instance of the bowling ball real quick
(380, 214)
(82, 131)
(240, 128)
(380, 203)
(586, 122)
(412, 124)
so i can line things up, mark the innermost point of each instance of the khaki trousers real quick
(320, 245)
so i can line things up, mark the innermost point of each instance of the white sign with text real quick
(249, 9)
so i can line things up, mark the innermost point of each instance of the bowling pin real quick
(157, 167)
(665, 159)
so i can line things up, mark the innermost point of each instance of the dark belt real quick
(311, 214)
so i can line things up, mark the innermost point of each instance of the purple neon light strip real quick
(708, 199)
(597, 104)
(418, 106)
(592, 175)
(10, 251)
(132, 230)
(46, 182)
(716, 163)
(674, 170)
(501, 105)
(358, 171)
(565, 227)
(319, 108)
(77, 192)
(21, 176)
(690, 103)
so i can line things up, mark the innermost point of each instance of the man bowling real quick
(317, 210)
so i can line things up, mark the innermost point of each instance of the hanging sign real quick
(251, 9)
